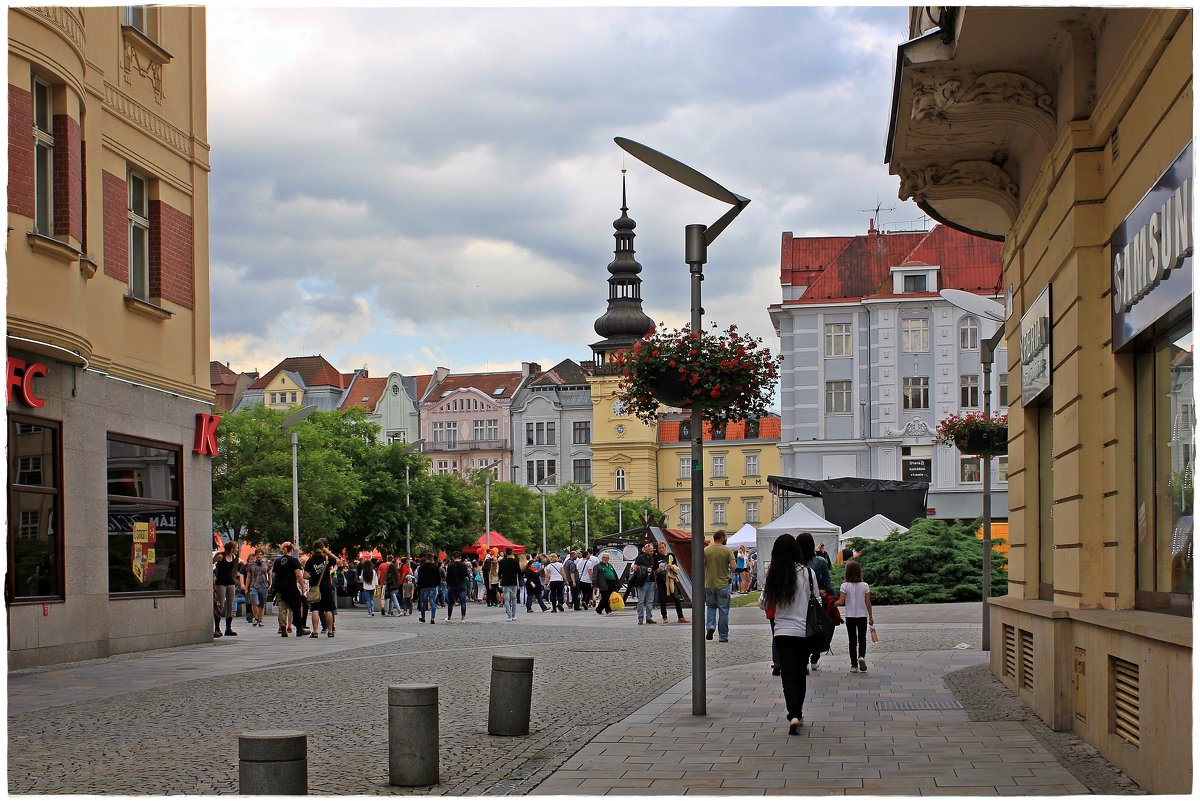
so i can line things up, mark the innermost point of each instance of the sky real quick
(407, 188)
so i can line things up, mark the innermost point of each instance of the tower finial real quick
(624, 204)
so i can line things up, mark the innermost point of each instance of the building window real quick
(443, 467)
(540, 434)
(718, 513)
(718, 431)
(916, 283)
(293, 397)
(837, 397)
(582, 473)
(968, 391)
(685, 514)
(272, 398)
(581, 432)
(1165, 464)
(751, 464)
(969, 470)
(718, 466)
(914, 335)
(480, 430)
(35, 508)
(529, 433)
(916, 392)
(551, 434)
(620, 480)
(837, 339)
(752, 512)
(685, 467)
(439, 432)
(551, 472)
(1002, 468)
(540, 471)
(1002, 390)
(685, 430)
(135, 17)
(752, 428)
(968, 334)
(43, 145)
(139, 236)
(491, 429)
(145, 516)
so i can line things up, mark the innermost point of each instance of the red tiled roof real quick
(220, 374)
(422, 383)
(315, 371)
(861, 267)
(768, 428)
(565, 372)
(365, 392)
(487, 383)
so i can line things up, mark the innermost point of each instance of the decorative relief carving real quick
(935, 100)
(916, 427)
(141, 55)
(981, 179)
(63, 19)
(124, 105)
(976, 115)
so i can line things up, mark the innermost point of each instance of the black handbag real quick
(816, 622)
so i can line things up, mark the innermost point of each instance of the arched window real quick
(968, 334)
(620, 479)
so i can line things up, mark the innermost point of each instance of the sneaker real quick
(432, 621)
(682, 620)
(774, 670)
(862, 665)
(815, 667)
(708, 635)
(794, 725)
(640, 622)
(650, 620)
(854, 668)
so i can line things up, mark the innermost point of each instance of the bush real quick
(933, 562)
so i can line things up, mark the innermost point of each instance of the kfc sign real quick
(206, 435)
(20, 381)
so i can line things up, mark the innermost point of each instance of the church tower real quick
(624, 449)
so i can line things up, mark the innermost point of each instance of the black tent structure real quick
(850, 501)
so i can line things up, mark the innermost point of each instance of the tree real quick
(933, 562)
(388, 502)
(454, 520)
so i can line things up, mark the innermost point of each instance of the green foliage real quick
(933, 562)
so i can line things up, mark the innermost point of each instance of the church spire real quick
(624, 323)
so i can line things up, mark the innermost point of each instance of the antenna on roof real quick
(878, 208)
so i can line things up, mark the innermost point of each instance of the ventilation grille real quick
(1027, 659)
(1114, 142)
(1126, 700)
(1010, 651)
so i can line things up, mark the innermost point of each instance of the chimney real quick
(871, 229)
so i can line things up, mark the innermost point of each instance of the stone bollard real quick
(273, 762)
(512, 691)
(413, 735)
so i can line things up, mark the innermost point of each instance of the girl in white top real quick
(856, 597)
(789, 585)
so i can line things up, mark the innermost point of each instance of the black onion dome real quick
(624, 322)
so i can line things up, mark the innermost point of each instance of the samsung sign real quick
(1035, 348)
(1152, 254)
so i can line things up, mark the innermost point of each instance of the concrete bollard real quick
(413, 735)
(511, 694)
(273, 762)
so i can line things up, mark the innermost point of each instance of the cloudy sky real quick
(408, 188)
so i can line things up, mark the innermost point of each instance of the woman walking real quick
(789, 586)
(366, 578)
(319, 569)
(665, 575)
(533, 584)
(856, 597)
(555, 580)
(605, 579)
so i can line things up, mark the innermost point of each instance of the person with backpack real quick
(820, 566)
(856, 597)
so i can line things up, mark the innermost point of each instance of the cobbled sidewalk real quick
(167, 721)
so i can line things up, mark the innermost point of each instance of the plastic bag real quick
(616, 602)
(874, 635)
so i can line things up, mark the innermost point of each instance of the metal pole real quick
(585, 520)
(620, 516)
(407, 514)
(986, 355)
(543, 521)
(696, 254)
(295, 494)
(487, 521)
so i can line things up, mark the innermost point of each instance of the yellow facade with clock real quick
(624, 451)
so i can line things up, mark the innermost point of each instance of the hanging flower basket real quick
(727, 374)
(974, 434)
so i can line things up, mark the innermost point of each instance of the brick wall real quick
(20, 151)
(68, 178)
(172, 276)
(116, 227)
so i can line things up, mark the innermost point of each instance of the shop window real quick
(145, 517)
(969, 470)
(1002, 468)
(1165, 465)
(34, 509)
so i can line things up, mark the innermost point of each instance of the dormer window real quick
(916, 283)
(914, 278)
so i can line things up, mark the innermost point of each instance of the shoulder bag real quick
(816, 622)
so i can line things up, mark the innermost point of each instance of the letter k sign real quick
(206, 434)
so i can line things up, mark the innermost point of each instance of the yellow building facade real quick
(624, 450)
(736, 465)
(1067, 133)
(110, 440)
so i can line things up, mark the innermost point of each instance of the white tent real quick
(873, 528)
(793, 521)
(746, 535)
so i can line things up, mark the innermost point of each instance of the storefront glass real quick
(144, 512)
(34, 508)
(1166, 459)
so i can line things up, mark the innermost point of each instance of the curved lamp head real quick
(677, 170)
(974, 304)
(298, 416)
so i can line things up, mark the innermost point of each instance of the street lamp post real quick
(538, 486)
(697, 238)
(487, 502)
(993, 311)
(408, 502)
(289, 425)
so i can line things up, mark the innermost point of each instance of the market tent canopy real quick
(793, 521)
(875, 528)
(746, 535)
(850, 501)
(498, 541)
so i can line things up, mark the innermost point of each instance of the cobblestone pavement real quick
(167, 721)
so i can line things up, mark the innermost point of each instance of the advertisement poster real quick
(144, 535)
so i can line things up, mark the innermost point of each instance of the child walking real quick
(856, 597)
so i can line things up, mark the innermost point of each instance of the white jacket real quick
(791, 619)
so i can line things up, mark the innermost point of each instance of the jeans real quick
(856, 629)
(367, 597)
(645, 601)
(717, 600)
(660, 589)
(531, 596)
(556, 595)
(583, 594)
(510, 601)
(458, 594)
(393, 601)
(428, 600)
(793, 653)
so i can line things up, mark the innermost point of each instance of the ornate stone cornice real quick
(979, 180)
(63, 19)
(916, 427)
(955, 105)
(143, 56)
(141, 117)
